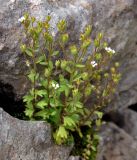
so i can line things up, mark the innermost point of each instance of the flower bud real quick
(88, 30)
(73, 50)
(113, 70)
(86, 43)
(106, 75)
(23, 48)
(116, 64)
(96, 43)
(98, 56)
(63, 64)
(57, 63)
(47, 72)
(64, 38)
(100, 36)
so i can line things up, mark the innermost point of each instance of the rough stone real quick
(23, 140)
(130, 125)
(125, 119)
(116, 144)
(74, 158)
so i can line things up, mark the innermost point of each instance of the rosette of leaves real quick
(65, 76)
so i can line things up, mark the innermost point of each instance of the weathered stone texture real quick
(23, 140)
(116, 144)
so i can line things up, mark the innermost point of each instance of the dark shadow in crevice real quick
(7, 101)
(133, 107)
(115, 117)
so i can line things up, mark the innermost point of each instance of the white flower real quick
(21, 19)
(93, 63)
(55, 86)
(53, 33)
(27, 63)
(108, 49)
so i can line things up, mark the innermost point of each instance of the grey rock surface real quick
(130, 122)
(116, 144)
(23, 140)
(74, 158)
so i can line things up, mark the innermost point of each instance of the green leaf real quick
(28, 98)
(55, 53)
(41, 59)
(80, 65)
(99, 114)
(63, 64)
(68, 69)
(62, 133)
(44, 82)
(68, 121)
(44, 114)
(93, 148)
(88, 123)
(96, 137)
(55, 116)
(53, 113)
(98, 122)
(77, 77)
(52, 102)
(75, 117)
(50, 65)
(79, 132)
(43, 63)
(32, 75)
(41, 93)
(29, 112)
(79, 105)
(42, 104)
(64, 88)
(87, 111)
(29, 52)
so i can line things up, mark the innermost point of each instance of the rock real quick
(74, 158)
(116, 144)
(23, 140)
(125, 119)
(130, 125)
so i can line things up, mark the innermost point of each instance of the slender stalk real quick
(34, 83)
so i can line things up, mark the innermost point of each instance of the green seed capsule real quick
(117, 64)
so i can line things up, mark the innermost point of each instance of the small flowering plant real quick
(65, 78)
